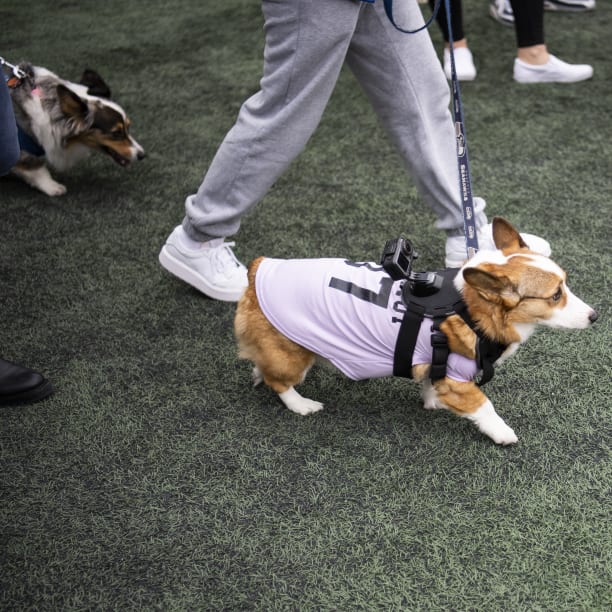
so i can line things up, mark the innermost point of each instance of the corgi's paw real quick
(492, 425)
(256, 376)
(505, 436)
(298, 404)
(306, 407)
(432, 404)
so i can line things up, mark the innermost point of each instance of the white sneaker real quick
(456, 254)
(553, 71)
(569, 5)
(464, 64)
(501, 11)
(212, 268)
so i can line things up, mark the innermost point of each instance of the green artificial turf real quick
(157, 478)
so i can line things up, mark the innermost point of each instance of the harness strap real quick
(440, 351)
(487, 351)
(406, 341)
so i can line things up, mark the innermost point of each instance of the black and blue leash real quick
(463, 162)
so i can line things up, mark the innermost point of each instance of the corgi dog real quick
(349, 313)
(61, 122)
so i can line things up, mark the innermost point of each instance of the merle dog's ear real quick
(95, 84)
(70, 103)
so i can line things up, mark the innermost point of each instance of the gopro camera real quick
(397, 258)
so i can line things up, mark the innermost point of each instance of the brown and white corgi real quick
(61, 122)
(348, 313)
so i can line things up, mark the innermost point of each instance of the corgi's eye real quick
(558, 295)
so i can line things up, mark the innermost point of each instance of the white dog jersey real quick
(347, 312)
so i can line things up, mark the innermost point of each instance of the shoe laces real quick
(224, 259)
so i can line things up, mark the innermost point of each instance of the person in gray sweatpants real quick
(306, 45)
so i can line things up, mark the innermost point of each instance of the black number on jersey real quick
(368, 295)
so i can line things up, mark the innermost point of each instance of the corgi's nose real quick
(141, 155)
(593, 316)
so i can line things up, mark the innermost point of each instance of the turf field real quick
(156, 478)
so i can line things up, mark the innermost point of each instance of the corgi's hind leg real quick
(285, 370)
(279, 362)
(298, 403)
(257, 376)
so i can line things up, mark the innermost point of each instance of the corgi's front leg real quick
(467, 400)
(492, 425)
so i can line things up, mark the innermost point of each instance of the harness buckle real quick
(439, 354)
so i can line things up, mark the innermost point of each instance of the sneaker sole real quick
(567, 8)
(37, 394)
(535, 81)
(186, 274)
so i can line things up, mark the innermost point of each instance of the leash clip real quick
(18, 74)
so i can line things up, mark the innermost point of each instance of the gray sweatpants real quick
(306, 44)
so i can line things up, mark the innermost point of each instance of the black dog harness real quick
(438, 306)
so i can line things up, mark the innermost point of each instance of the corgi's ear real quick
(491, 286)
(72, 106)
(95, 84)
(506, 238)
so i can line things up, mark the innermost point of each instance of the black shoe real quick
(19, 385)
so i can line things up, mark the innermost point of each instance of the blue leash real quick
(389, 11)
(463, 162)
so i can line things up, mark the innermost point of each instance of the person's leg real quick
(464, 62)
(402, 77)
(18, 385)
(529, 25)
(9, 143)
(456, 20)
(305, 47)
